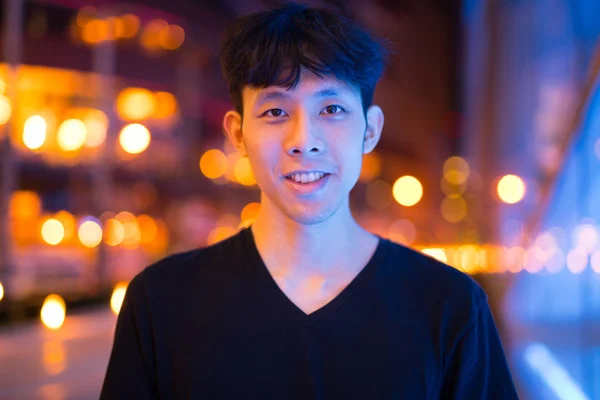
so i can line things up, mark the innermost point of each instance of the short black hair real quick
(258, 48)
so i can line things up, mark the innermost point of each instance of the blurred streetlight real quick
(456, 170)
(90, 233)
(243, 172)
(34, 132)
(134, 138)
(371, 167)
(511, 189)
(53, 311)
(213, 164)
(407, 191)
(1, 291)
(135, 104)
(53, 231)
(171, 37)
(71, 135)
(437, 253)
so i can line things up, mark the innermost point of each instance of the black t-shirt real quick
(213, 324)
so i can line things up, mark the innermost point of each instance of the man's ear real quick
(375, 121)
(232, 126)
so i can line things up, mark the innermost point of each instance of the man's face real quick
(305, 145)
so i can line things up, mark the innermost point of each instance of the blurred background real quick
(112, 157)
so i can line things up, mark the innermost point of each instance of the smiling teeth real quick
(307, 178)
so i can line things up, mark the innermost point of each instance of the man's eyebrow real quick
(277, 94)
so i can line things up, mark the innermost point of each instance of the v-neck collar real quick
(274, 292)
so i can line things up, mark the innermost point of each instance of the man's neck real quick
(318, 248)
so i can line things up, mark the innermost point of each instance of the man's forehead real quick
(311, 87)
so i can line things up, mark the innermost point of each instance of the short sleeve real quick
(131, 372)
(477, 367)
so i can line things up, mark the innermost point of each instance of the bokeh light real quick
(131, 25)
(85, 15)
(71, 135)
(437, 253)
(456, 170)
(53, 232)
(577, 260)
(171, 37)
(114, 232)
(378, 194)
(452, 190)
(135, 104)
(166, 105)
(586, 237)
(243, 172)
(371, 167)
(454, 209)
(1, 291)
(53, 311)
(25, 205)
(96, 124)
(5, 109)
(407, 191)
(249, 213)
(213, 164)
(134, 138)
(90, 233)
(118, 295)
(131, 229)
(148, 228)
(511, 189)
(34, 132)
(150, 37)
(68, 222)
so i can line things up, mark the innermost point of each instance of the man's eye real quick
(334, 109)
(275, 112)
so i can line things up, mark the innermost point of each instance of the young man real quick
(304, 304)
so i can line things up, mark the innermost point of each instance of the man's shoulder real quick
(184, 266)
(433, 280)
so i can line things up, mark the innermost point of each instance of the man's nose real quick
(304, 137)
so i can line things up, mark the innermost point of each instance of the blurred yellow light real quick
(1, 291)
(378, 194)
(452, 190)
(250, 212)
(90, 233)
(135, 104)
(68, 222)
(85, 14)
(114, 232)
(5, 109)
(213, 164)
(25, 205)
(371, 167)
(148, 228)
(150, 37)
(243, 172)
(95, 31)
(454, 209)
(511, 189)
(407, 191)
(96, 124)
(577, 260)
(132, 25)
(53, 232)
(53, 311)
(437, 253)
(220, 233)
(34, 132)
(456, 170)
(131, 229)
(171, 37)
(117, 27)
(118, 295)
(2, 86)
(71, 135)
(232, 159)
(166, 105)
(134, 138)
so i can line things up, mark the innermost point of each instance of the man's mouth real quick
(308, 177)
